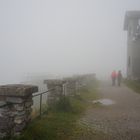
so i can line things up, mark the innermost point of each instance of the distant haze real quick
(62, 37)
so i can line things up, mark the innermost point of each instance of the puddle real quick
(104, 102)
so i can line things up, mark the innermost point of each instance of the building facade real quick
(132, 26)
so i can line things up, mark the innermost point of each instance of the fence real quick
(56, 88)
(40, 101)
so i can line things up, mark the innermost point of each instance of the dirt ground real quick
(119, 121)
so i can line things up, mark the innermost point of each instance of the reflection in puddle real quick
(104, 101)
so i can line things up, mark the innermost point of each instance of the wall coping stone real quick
(54, 82)
(17, 90)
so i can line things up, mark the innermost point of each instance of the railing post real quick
(40, 104)
(64, 89)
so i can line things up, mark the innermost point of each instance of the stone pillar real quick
(56, 92)
(70, 86)
(79, 82)
(15, 108)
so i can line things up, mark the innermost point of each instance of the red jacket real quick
(113, 75)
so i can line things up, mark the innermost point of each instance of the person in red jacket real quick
(113, 77)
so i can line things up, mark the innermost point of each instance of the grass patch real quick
(60, 122)
(54, 126)
(133, 84)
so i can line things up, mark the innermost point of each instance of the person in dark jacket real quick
(119, 78)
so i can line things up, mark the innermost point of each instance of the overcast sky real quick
(60, 37)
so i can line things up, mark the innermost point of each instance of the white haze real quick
(62, 37)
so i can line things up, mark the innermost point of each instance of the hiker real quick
(119, 78)
(113, 77)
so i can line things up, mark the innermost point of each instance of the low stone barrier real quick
(84, 80)
(68, 86)
(15, 108)
(16, 101)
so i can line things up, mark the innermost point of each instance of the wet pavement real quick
(118, 116)
(104, 102)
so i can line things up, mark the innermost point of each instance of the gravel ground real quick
(120, 121)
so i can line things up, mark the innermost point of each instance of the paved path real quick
(121, 121)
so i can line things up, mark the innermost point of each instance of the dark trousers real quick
(119, 82)
(113, 81)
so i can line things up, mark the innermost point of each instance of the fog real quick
(62, 37)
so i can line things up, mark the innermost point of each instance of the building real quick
(132, 26)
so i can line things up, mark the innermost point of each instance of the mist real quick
(61, 38)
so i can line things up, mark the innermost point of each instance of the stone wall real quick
(84, 80)
(67, 86)
(16, 101)
(15, 108)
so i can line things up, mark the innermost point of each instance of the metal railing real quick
(40, 94)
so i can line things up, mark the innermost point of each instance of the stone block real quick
(19, 119)
(4, 110)
(28, 103)
(3, 103)
(16, 100)
(19, 107)
(20, 113)
(17, 90)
